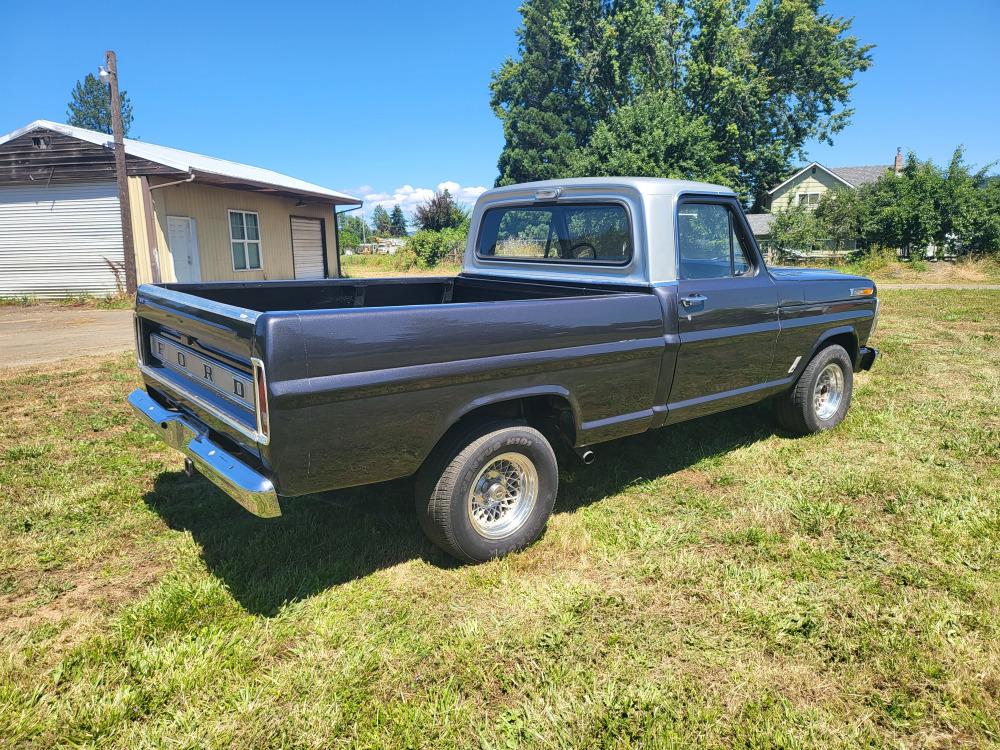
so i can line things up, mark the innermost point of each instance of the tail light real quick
(263, 418)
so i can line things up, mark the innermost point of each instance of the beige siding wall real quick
(142, 269)
(140, 235)
(209, 207)
(820, 182)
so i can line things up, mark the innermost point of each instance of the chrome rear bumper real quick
(248, 487)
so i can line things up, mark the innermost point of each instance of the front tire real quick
(821, 397)
(489, 491)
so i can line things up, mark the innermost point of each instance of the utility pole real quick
(110, 74)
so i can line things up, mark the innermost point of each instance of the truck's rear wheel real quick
(488, 491)
(821, 397)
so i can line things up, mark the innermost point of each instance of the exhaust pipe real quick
(586, 455)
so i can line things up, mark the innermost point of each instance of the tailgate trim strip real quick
(185, 302)
(158, 343)
(247, 432)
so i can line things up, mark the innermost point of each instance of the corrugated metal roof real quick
(760, 224)
(187, 161)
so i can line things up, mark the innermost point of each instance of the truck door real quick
(727, 310)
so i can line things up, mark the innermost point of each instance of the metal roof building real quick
(194, 217)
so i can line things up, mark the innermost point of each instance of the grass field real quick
(375, 266)
(110, 302)
(715, 584)
(884, 268)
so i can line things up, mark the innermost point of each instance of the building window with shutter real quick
(244, 238)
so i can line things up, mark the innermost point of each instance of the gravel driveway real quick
(38, 334)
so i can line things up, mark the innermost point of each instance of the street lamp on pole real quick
(109, 75)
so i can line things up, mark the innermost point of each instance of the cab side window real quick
(708, 243)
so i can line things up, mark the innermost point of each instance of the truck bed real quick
(331, 294)
(364, 376)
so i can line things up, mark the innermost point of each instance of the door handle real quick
(693, 299)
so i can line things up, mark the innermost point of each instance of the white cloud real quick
(462, 194)
(408, 196)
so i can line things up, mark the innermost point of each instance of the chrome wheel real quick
(828, 391)
(503, 495)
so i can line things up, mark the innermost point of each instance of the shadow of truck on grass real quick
(327, 539)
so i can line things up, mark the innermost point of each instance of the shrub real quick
(430, 246)
(877, 260)
(404, 259)
(795, 229)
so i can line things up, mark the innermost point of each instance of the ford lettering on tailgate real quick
(232, 384)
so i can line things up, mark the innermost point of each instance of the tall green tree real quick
(539, 97)
(965, 210)
(757, 79)
(902, 211)
(796, 228)
(984, 235)
(653, 137)
(381, 222)
(840, 218)
(352, 231)
(90, 106)
(440, 212)
(397, 222)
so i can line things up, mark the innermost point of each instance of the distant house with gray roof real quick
(808, 184)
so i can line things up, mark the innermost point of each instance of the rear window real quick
(577, 233)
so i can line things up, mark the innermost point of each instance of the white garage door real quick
(307, 248)
(56, 240)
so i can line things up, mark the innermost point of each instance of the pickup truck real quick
(587, 310)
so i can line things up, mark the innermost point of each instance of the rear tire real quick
(821, 397)
(488, 491)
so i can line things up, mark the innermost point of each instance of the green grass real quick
(885, 268)
(715, 584)
(374, 266)
(108, 302)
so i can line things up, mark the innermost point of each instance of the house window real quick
(808, 199)
(244, 238)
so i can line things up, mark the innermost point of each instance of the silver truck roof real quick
(651, 203)
(643, 185)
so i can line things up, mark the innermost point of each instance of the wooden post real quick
(121, 175)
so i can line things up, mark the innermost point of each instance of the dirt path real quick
(39, 334)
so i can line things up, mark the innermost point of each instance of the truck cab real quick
(587, 310)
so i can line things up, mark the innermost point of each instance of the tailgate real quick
(197, 356)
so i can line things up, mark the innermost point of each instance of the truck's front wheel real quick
(821, 397)
(489, 491)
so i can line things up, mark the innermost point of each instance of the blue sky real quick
(391, 98)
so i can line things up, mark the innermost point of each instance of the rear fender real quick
(515, 394)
